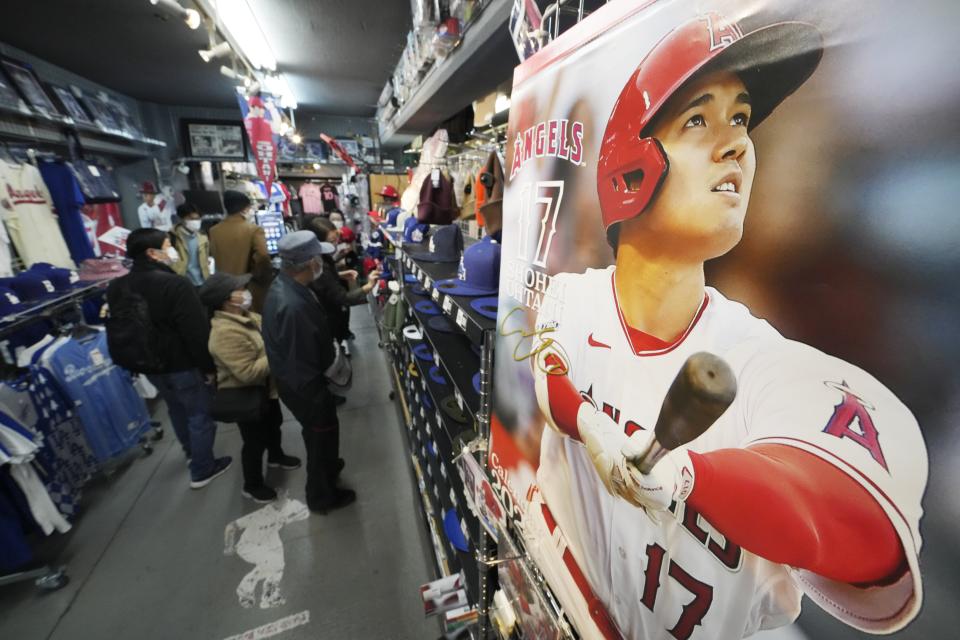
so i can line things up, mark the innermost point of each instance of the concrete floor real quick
(146, 558)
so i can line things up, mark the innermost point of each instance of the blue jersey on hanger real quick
(68, 200)
(113, 415)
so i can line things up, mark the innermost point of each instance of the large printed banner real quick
(259, 118)
(719, 177)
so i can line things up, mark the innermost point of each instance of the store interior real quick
(416, 131)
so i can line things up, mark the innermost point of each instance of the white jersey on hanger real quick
(27, 210)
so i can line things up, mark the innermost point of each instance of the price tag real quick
(461, 319)
(93, 170)
(436, 493)
(443, 472)
(423, 383)
(456, 392)
(423, 452)
(453, 499)
(435, 295)
(429, 430)
(427, 283)
(396, 254)
(423, 412)
(436, 358)
(429, 471)
(439, 418)
(447, 305)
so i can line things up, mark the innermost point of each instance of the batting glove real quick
(604, 440)
(671, 479)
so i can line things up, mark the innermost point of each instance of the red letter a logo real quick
(850, 419)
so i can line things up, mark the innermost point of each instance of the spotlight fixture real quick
(189, 16)
(215, 52)
(296, 138)
(230, 73)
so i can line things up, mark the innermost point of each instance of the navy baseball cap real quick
(10, 302)
(479, 273)
(418, 290)
(409, 277)
(441, 324)
(415, 232)
(446, 245)
(32, 285)
(487, 307)
(423, 352)
(427, 307)
(62, 279)
(437, 376)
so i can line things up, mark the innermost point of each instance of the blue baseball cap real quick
(437, 376)
(487, 307)
(427, 307)
(415, 232)
(392, 216)
(32, 285)
(441, 324)
(479, 273)
(446, 245)
(409, 277)
(454, 532)
(423, 352)
(418, 290)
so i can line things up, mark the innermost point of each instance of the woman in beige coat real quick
(238, 351)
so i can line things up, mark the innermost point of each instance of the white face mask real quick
(247, 301)
(338, 224)
(172, 255)
(192, 225)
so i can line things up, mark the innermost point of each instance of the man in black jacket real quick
(300, 349)
(183, 371)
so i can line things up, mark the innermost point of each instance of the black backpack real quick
(133, 338)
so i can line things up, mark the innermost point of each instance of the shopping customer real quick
(158, 322)
(238, 351)
(333, 287)
(300, 349)
(238, 246)
(192, 246)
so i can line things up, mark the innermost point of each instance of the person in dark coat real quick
(180, 323)
(300, 349)
(333, 287)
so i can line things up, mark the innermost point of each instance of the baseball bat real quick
(701, 392)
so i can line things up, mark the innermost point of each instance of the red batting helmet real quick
(772, 62)
(389, 191)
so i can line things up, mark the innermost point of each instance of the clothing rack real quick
(50, 309)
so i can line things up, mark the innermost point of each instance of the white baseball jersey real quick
(679, 577)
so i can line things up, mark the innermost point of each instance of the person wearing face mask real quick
(239, 246)
(300, 349)
(166, 336)
(193, 247)
(241, 358)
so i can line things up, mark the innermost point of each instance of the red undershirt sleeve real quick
(790, 507)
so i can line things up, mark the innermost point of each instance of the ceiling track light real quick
(190, 16)
(215, 52)
(230, 73)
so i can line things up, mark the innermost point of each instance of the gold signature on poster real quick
(539, 342)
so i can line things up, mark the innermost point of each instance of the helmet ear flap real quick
(641, 170)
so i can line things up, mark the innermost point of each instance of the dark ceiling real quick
(337, 54)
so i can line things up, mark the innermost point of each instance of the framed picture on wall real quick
(10, 100)
(214, 139)
(99, 111)
(69, 104)
(27, 83)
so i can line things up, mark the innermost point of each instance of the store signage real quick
(257, 120)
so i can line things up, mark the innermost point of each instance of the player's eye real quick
(740, 120)
(695, 121)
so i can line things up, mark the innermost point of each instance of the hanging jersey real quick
(677, 576)
(68, 200)
(310, 198)
(28, 214)
(112, 413)
(329, 197)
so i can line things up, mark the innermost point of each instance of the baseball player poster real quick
(703, 412)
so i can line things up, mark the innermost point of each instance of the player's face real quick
(149, 198)
(699, 211)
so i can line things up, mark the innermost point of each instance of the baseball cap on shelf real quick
(409, 277)
(414, 231)
(476, 382)
(31, 286)
(148, 188)
(9, 301)
(389, 191)
(299, 246)
(418, 290)
(219, 286)
(437, 204)
(454, 532)
(479, 273)
(451, 408)
(437, 376)
(62, 279)
(446, 245)
(487, 307)
(400, 220)
(392, 216)
(427, 308)
(441, 324)
(423, 352)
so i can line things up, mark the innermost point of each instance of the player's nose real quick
(731, 144)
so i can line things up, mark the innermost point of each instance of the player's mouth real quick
(729, 184)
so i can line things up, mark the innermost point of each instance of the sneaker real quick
(285, 462)
(340, 400)
(220, 465)
(262, 494)
(344, 497)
